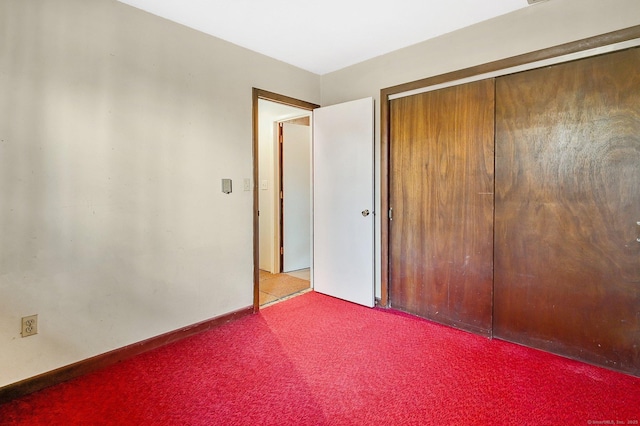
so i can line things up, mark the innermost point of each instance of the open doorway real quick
(282, 198)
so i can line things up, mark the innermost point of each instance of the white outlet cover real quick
(247, 184)
(264, 185)
(29, 325)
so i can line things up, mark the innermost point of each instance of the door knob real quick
(365, 213)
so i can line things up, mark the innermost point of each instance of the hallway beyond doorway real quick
(277, 287)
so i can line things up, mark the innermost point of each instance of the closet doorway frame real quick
(592, 46)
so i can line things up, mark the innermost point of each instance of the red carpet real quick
(315, 360)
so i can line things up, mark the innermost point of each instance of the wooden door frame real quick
(603, 40)
(281, 197)
(258, 94)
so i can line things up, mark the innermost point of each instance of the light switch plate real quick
(226, 186)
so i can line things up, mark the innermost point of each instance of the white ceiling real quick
(326, 35)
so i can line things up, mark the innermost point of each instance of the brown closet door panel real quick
(441, 189)
(567, 263)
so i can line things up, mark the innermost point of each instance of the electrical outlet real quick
(247, 184)
(29, 325)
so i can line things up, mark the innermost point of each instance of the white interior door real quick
(296, 201)
(343, 201)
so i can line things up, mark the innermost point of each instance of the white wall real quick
(116, 128)
(535, 27)
(267, 169)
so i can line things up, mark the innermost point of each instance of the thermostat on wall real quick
(226, 186)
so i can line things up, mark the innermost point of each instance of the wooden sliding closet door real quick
(567, 263)
(441, 195)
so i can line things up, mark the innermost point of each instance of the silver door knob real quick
(365, 213)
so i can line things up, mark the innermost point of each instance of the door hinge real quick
(390, 213)
(280, 132)
(281, 195)
(281, 250)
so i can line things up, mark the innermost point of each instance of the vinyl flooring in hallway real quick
(276, 287)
